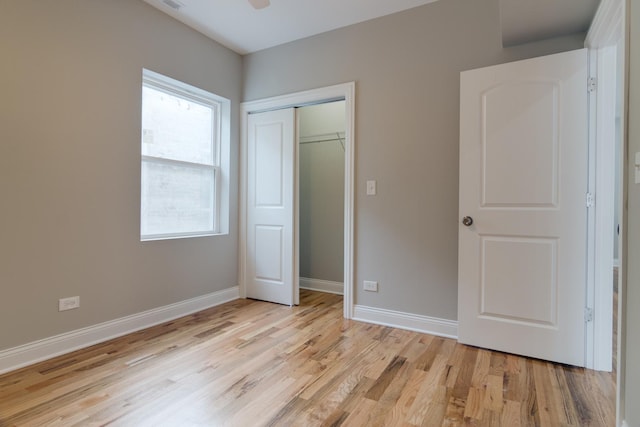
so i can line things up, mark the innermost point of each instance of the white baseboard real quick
(322, 285)
(37, 351)
(412, 322)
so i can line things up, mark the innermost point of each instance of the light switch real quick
(371, 188)
(637, 168)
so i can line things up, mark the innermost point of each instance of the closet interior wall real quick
(321, 194)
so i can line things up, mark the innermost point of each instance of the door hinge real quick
(590, 200)
(592, 84)
(588, 314)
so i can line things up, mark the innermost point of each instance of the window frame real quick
(220, 143)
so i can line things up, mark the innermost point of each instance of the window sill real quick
(182, 236)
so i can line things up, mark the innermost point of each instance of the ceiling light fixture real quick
(258, 4)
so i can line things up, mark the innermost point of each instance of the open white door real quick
(270, 184)
(523, 184)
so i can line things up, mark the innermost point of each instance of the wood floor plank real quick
(474, 404)
(432, 383)
(361, 416)
(383, 381)
(351, 402)
(511, 414)
(259, 364)
(436, 408)
(493, 393)
(463, 379)
(454, 414)
(398, 413)
(546, 396)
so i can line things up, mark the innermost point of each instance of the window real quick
(184, 162)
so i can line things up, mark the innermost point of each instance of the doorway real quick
(343, 92)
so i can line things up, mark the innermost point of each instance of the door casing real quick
(608, 30)
(346, 92)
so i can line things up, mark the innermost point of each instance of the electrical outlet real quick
(70, 303)
(370, 286)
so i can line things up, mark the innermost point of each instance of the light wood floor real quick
(250, 363)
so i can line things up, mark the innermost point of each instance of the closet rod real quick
(326, 138)
(321, 140)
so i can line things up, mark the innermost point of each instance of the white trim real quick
(610, 28)
(616, 262)
(221, 143)
(412, 322)
(605, 150)
(589, 327)
(296, 214)
(602, 145)
(604, 34)
(37, 351)
(606, 27)
(299, 99)
(346, 92)
(322, 285)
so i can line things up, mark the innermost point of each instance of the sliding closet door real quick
(270, 209)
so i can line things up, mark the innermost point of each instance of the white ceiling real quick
(237, 25)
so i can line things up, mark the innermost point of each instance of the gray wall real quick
(406, 67)
(70, 85)
(632, 328)
(322, 192)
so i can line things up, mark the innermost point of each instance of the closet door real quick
(270, 209)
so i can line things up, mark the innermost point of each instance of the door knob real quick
(467, 220)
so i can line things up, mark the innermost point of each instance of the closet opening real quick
(321, 196)
(272, 139)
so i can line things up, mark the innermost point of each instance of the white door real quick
(523, 182)
(270, 184)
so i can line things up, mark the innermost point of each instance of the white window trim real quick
(222, 148)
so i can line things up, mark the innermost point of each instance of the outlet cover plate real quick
(370, 286)
(70, 303)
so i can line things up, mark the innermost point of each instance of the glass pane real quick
(176, 128)
(176, 199)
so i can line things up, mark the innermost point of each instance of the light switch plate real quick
(637, 168)
(371, 188)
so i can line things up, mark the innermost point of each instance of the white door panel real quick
(523, 181)
(531, 164)
(270, 179)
